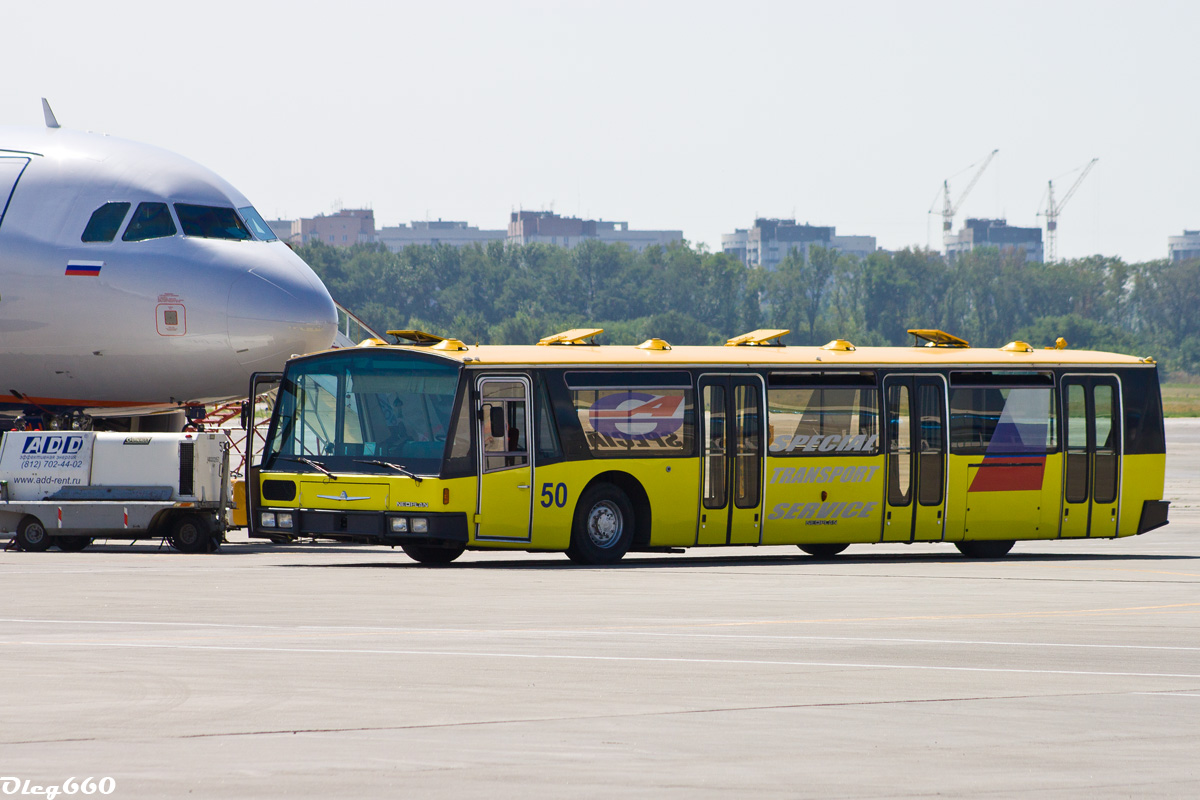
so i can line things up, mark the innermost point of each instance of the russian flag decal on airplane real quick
(89, 268)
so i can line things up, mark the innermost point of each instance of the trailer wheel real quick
(191, 533)
(72, 544)
(31, 536)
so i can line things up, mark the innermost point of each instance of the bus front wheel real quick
(603, 526)
(994, 548)
(433, 555)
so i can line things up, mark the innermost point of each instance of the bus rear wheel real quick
(31, 536)
(432, 554)
(823, 550)
(995, 548)
(72, 544)
(602, 530)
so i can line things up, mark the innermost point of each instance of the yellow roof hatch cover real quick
(418, 338)
(763, 337)
(574, 336)
(936, 338)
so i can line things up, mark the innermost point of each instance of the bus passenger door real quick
(898, 510)
(930, 440)
(1092, 437)
(915, 410)
(505, 500)
(732, 449)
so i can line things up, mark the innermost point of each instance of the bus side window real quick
(547, 433)
(1142, 407)
(459, 461)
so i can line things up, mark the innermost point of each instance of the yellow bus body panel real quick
(823, 499)
(1142, 479)
(1028, 513)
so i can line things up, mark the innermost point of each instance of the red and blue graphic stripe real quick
(1009, 474)
(1009, 465)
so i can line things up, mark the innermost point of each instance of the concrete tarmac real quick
(1067, 669)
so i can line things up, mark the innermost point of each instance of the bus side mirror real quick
(496, 420)
(245, 414)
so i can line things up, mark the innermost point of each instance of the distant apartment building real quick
(342, 229)
(546, 227)
(281, 228)
(1184, 248)
(435, 232)
(995, 233)
(769, 241)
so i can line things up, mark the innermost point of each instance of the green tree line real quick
(502, 294)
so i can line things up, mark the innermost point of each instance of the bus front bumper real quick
(370, 527)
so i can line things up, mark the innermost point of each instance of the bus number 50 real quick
(554, 495)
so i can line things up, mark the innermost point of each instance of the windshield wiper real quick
(398, 467)
(310, 463)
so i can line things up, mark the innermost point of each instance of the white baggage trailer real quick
(65, 488)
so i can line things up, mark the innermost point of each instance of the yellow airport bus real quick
(439, 447)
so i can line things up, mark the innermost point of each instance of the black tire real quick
(992, 548)
(432, 554)
(602, 530)
(72, 544)
(192, 533)
(823, 550)
(31, 536)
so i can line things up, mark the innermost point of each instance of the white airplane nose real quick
(270, 319)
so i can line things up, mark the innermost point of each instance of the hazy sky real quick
(691, 115)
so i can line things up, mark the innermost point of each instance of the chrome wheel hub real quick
(604, 524)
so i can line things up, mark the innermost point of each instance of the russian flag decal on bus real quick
(88, 268)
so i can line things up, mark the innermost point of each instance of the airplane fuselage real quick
(127, 287)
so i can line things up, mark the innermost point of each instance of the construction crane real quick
(949, 209)
(1054, 209)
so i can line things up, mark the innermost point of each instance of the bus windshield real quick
(350, 408)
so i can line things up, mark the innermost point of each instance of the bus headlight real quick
(399, 525)
(420, 525)
(268, 519)
(284, 520)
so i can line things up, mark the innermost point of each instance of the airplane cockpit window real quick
(105, 222)
(257, 224)
(211, 222)
(150, 221)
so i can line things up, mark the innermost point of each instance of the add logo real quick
(65, 445)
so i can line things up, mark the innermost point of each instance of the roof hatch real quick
(936, 338)
(574, 336)
(763, 337)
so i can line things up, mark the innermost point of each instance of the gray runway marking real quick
(567, 657)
